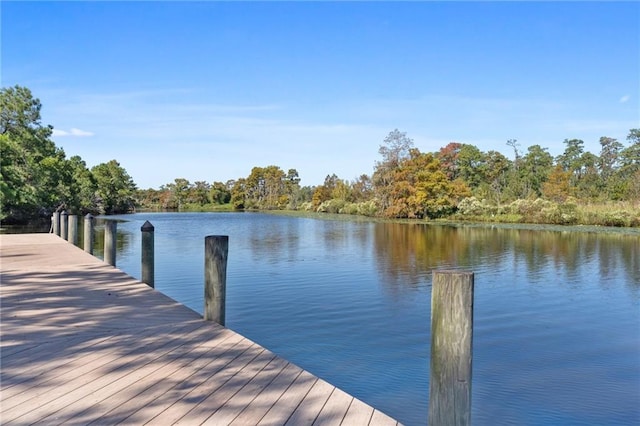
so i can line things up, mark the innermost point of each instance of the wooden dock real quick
(83, 343)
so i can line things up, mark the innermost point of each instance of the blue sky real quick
(208, 90)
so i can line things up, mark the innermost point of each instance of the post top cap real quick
(147, 226)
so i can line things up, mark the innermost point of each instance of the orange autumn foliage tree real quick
(558, 185)
(421, 189)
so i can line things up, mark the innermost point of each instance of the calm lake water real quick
(557, 313)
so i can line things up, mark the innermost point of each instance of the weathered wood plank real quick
(116, 356)
(51, 399)
(188, 400)
(312, 404)
(217, 398)
(244, 396)
(253, 412)
(289, 401)
(380, 419)
(129, 387)
(127, 404)
(73, 353)
(358, 415)
(334, 409)
(180, 398)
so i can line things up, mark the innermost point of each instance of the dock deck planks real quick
(81, 342)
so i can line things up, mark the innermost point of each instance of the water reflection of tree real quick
(274, 239)
(124, 239)
(406, 254)
(616, 254)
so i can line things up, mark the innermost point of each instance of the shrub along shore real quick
(472, 210)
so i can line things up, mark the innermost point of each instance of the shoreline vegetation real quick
(591, 218)
(459, 183)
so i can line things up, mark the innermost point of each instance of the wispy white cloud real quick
(72, 132)
(624, 99)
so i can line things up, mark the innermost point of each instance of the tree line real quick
(459, 181)
(37, 178)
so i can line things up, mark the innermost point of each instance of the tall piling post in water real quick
(110, 231)
(216, 249)
(89, 233)
(73, 229)
(148, 261)
(451, 348)
(64, 224)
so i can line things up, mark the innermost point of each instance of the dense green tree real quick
(11, 178)
(609, 157)
(292, 189)
(30, 161)
(20, 118)
(239, 193)
(627, 177)
(515, 187)
(497, 167)
(535, 168)
(115, 188)
(305, 194)
(83, 187)
(265, 188)
(180, 190)
(200, 192)
(471, 166)
(37, 178)
(590, 184)
(220, 193)
(571, 158)
(56, 182)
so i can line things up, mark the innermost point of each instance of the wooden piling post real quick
(73, 229)
(216, 249)
(64, 225)
(56, 223)
(148, 261)
(110, 231)
(451, 348)
(89, 233)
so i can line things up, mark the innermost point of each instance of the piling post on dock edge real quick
(110, 231)
(55, 224)
(148, 261)
(64, 224)
(73, 229)
(216, 249)
(451, 346)
(89, 233)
